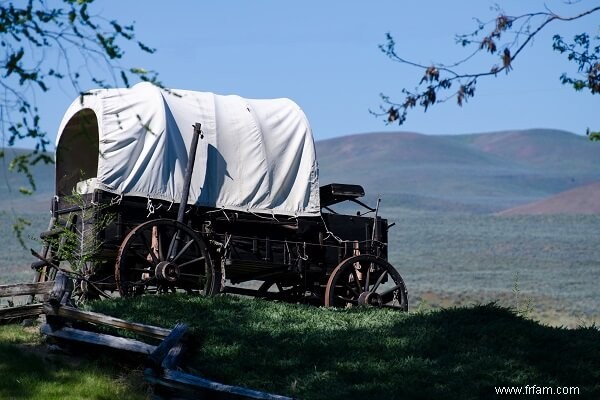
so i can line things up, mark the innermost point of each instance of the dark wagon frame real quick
(152, 246)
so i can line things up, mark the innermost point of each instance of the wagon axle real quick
(370, 299)
(167, 271)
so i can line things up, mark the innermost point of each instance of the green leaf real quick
(25, 191)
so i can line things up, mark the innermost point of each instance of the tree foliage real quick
(50, 44)
(505, 38)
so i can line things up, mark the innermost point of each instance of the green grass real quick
(318, 353)
(27, 371)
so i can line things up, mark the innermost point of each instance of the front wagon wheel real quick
(366, 280)
(164, 256)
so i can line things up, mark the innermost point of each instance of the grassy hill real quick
(544, 148)
(581, 200)
(317, 353)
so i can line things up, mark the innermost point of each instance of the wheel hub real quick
(370, 299)
(168, 271)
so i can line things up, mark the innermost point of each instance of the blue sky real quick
(324, 55)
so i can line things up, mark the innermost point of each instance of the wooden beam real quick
(99, 339)
(28, 310)
(171, 361)
(62, 289)
(23, 289)
(191, 383)
(101, 319)
(157, 357)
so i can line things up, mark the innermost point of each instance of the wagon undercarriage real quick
(219, 251)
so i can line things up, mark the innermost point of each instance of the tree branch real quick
(438, 79)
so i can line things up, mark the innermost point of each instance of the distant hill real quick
(539, 147)
(581, 200)
(10, 182)
(476, 172)
(481, 173)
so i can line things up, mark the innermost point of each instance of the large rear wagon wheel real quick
(164, 256)
(366, 280)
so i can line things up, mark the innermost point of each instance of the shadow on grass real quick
(317, 353)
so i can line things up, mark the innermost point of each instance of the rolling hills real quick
(476, 173)
(480, 173)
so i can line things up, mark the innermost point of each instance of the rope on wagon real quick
(263, 217)
(116, 200)
(300, 256)
(222, 209)
(329, 233)
(150, 207)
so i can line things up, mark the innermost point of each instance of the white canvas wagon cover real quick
(256, 155)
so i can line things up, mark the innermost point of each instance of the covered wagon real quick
(161, 191)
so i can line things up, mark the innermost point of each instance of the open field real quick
(550, 262)
(14, 258)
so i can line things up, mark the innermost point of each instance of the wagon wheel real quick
(366, 280)
(164, 256)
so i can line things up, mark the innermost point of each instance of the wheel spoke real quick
(385, 296)
(381, 277)
(357, 293)
(368, 276)
(187, 246)
(161, 254)
(195, 260)
(356, 280)
(141, 283)
(149, 248)
(346, 299)
(143, 258)
(192, 275)
(173, 244)
(142, 270)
